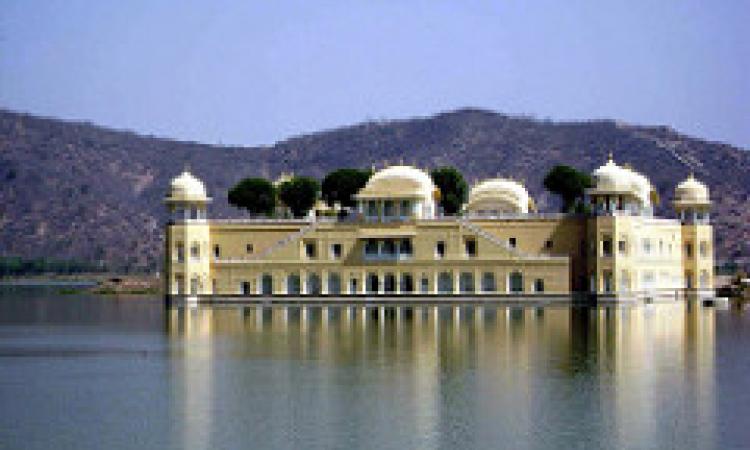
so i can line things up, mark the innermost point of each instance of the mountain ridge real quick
(72, 189)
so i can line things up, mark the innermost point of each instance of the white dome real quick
(613, 179)
(187, 187)
(498, 195)
(399, 182)
(640, 185)
(691, 191)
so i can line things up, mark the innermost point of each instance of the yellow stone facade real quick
(395, 243)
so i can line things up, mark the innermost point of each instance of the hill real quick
(78, 191)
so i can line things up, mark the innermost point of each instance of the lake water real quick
(87, 372)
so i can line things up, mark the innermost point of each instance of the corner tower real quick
(692, 205)
(187, 268)
(621, 203)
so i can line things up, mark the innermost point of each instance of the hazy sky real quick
(256, 72)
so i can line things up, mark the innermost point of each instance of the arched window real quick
(334, 283)
(466, 282)
(424, 285)
(488, 282)
(373, 283)
(607, 281)
(293, 284)
(389, 283)
(515, 282)
(266, 284)
(389, 209)
(313, 284)
(179, 281)
(195, 251)
(372, 209)
(407, 283)
(445, 283)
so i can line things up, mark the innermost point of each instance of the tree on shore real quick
(299, 194)
(570, 184)
(453, 189)
(257, 195)
(341, 185)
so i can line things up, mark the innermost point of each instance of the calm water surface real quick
(86, 372)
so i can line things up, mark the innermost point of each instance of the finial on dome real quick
(610, 157)
(186, 167)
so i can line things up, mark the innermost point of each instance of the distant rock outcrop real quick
(78, 191)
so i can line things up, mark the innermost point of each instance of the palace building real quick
(397, 244)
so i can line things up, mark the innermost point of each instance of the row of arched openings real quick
(445, 283)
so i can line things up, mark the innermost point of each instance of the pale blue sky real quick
(256, 72)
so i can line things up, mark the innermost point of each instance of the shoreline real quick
(99, 284)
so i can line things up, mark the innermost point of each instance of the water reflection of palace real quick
(432, 365)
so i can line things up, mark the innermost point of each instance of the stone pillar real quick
(324, 282)
(324, 316)
(456, 315)
(363, 285)
(477, 281)
(435, 279)
(381, 282)
(303, 282)
(397, 274)
(278, 284)
(456, 282)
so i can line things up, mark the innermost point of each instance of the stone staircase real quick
(287, 239)
(479, 231)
